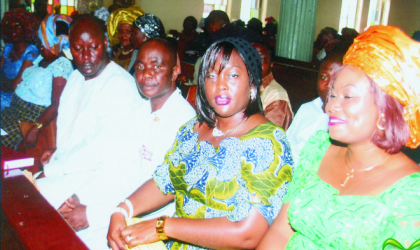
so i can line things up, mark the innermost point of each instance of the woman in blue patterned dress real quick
(228, 169)
(37, 96)
(20, 33)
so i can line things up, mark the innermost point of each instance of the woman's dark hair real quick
(190, 22)
(255, 25)
(223, 50)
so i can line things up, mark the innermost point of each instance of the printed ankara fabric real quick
(322, 219)
(392, 60)
(211, 182)
(47, 34)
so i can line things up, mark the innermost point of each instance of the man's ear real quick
(176, 70)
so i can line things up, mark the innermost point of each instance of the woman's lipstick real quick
(222, 100)
(335, 121)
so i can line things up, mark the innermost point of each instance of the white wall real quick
(328, 15)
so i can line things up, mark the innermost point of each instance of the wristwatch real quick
(160, 228)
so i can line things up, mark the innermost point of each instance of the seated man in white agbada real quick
(92, 116)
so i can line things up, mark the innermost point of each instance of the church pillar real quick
(295, 36)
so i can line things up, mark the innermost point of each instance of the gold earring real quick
(382, 128)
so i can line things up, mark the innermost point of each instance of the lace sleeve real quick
(309, 159)
(61, 67)
(30, 53)
(403, 226)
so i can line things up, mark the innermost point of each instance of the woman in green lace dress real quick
(358, 190)
(228, 169)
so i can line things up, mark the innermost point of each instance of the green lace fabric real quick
(322, 219)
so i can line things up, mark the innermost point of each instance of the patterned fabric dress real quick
(31, 98)
(11, 69)
(211, 182)
(323, 219)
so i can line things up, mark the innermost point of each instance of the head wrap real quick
(392, 60)
(47, 34)
(150, 25)
(250, 55)
(103, 14)
(122, 15)
(28, 20)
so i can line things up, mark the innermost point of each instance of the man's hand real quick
(77, 217)
(70, 204)
(31, 137)
(46, 156)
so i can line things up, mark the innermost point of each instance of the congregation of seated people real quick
(135, 163)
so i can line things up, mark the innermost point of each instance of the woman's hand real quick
(31, 137)
(114, 237)
(140, 233)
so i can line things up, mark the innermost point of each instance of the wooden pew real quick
(28, 221)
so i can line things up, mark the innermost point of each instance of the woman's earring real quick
(253, 94)
(380, 117)
(144, 39)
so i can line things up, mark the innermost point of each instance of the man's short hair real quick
(167, 44)
(100, 23)
(218, 17)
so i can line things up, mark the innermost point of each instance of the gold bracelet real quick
(160, 228)
(39, 125)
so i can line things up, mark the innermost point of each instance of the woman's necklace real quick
(351, 172)
(219, 133)
(127, 52)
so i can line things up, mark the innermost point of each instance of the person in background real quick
(274, 98)
(40, 9)
(228, 169)
(187, 36)
(255, 25)
(19, 29)
(145, 27)
(120, 32)
(269, 36)
(326, 40)
(37, 96)
(348, 35)
(311, 116)
(219, 27)
(363, 192)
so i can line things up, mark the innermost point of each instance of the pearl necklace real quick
(351, 172)
(219, 133)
